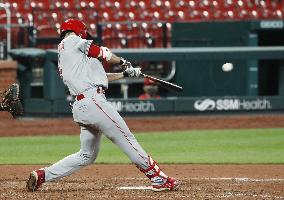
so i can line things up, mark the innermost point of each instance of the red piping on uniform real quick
(124, 134)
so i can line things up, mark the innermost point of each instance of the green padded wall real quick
(205, 77)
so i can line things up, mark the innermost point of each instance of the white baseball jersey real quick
(78, 71)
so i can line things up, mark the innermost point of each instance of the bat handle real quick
(144, 75)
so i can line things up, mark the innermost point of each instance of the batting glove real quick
(132, 72)
(125, 64)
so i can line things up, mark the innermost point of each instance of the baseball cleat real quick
(36, 179)
(169, 185)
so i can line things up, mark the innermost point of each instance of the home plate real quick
(135, 188)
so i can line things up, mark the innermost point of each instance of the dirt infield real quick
(123, 182)
(126, 182)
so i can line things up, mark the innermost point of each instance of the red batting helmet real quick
(76, 26)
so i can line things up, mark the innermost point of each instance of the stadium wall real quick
(202, 48)
(206, 78)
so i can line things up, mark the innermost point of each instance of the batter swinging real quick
(82, 72)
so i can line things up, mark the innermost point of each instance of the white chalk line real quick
(135, 188)
(225, 195)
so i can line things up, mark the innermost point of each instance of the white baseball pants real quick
(97, 116)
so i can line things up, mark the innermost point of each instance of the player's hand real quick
(125, 64)
(132, 72)
(128, 69)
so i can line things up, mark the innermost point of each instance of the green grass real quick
(212, 146)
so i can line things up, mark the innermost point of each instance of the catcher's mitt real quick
(11, 102)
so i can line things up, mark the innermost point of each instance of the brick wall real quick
(8, 73)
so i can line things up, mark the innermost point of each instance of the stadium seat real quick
(52, 12)
(114, 42)
(19, 5)
(42, 18)
(40, 4)
(47, 31)
(137, 42)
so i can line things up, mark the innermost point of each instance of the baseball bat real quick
(164, 84)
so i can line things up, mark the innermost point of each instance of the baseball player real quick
(82, 72)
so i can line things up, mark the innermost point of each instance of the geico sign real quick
(271, 24)
(232, 104)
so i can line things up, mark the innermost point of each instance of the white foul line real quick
(225, 195)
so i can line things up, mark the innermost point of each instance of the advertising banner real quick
(199, 105)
